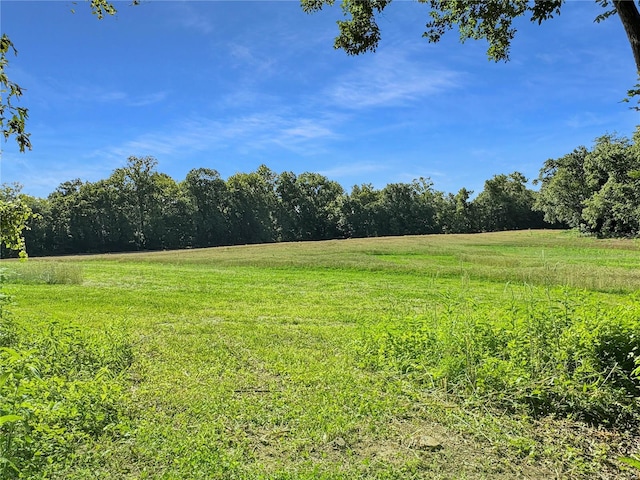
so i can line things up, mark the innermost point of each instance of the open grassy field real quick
(503, 355)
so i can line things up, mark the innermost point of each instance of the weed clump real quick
(554, 354)
(48, 273)
(59, 390)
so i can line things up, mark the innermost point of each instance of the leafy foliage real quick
(14, 215)
(207, 195)
(507, 204)
(60, 389)
(595, 190)
(139, 208)
(12, 117)
(490, 20)
(563, 356)
(308, 206)
(475, 19)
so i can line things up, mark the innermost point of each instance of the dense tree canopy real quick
(506, 202)
(597, 190)
(139, 208)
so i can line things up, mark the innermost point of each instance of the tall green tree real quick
(564, 188)
(136, 182)
(464, 216)
(65, 231)
(252, 206)
(613, 171)
(288, 210)
(361, 212)
(408, 208)
(308, 206)
(14, 215)
(506, 203)
(105, 216)
(320, 206)
(596, 190)
(37, 235)
(210, 200)
(456, 213)
(170, 214)
(109, 216)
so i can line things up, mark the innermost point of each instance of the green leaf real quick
(10, 418)
(633, 461)
(3, 378)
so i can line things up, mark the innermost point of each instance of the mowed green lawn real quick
(251, 361)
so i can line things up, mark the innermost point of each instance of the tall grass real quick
(44, 272)
(536, 351)
(534, 257)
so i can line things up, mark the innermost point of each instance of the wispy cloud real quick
(53, 92)
(243, 133)
(586, 119)
(307, 129)
(189, 18)
(146, 100)
(99, 94)
(103, 95)
(245, 56)
(389, 79)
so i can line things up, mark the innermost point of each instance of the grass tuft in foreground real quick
(62, 390)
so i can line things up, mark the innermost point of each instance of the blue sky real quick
(232, 85)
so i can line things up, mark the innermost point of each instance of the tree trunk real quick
(630, 17)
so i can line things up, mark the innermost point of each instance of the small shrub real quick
(59, 390)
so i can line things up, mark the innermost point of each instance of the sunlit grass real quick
(248, 361)
(551, 257)
(47, 272)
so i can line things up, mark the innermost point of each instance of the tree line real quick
(594, 190)
(139, 208)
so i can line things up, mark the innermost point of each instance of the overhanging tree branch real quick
(12, 118)
(630, 18)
